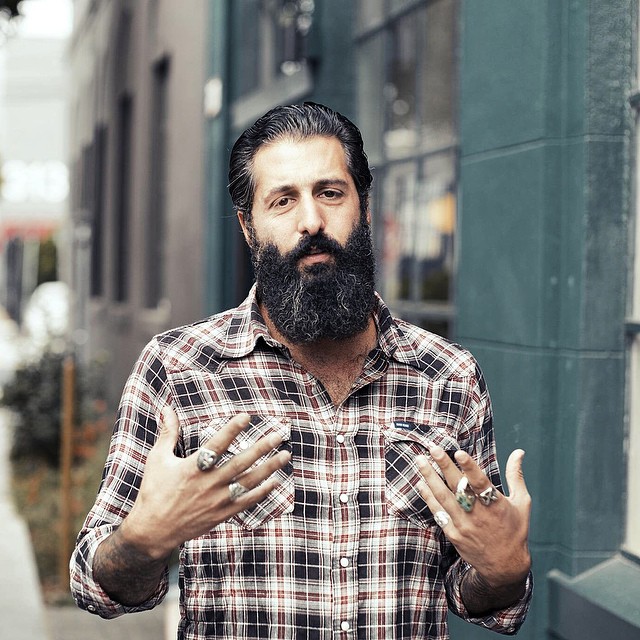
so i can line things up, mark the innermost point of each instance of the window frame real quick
(436, 315)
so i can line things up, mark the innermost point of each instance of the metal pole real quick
(66, 461)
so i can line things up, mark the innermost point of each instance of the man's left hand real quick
(492, 535)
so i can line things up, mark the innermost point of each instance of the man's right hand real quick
(177, 502)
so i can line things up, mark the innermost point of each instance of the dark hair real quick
(296, 121)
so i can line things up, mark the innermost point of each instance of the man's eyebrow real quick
(283, 188)
(331, 182)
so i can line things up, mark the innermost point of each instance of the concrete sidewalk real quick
(21, 606)
(23, 615)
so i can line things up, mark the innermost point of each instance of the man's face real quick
(302, 187)
(311, 247)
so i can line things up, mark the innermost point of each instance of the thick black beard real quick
(324, 301)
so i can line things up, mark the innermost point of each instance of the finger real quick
(514, 475)
(222, 439)
(477, 478)
(169, 429)
(438, 492)
(243, 461)
(440, 515)
(450, 471)
(256, 476)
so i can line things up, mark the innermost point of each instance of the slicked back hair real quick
(296, 122)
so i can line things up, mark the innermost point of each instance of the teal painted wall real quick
(541, 285)
(542, 245)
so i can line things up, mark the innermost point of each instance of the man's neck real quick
(336, 363)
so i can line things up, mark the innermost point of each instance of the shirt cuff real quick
(86, 590)
(505, 621)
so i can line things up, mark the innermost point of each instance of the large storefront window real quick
(407, 114)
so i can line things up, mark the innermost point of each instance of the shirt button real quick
(345, 626)
(340, 438)
(344, 498)
(344, 562)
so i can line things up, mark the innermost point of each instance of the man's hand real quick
(177, 502)
(491, 537)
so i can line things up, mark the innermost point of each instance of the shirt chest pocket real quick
(281, 498)
(401, 448)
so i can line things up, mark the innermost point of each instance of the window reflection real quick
(414, 144)
(275, 43)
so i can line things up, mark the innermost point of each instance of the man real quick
(326, 470)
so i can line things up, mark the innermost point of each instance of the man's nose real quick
(310, 217)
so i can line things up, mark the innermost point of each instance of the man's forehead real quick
(287, 159)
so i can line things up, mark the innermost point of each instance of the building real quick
(137, 156)
(503, 138)
(33, 147)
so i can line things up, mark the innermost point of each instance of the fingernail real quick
(421, 461)
(436, 451)
(274, 439)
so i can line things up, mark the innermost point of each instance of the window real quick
(123, 168)
(276, 42)
(97, 213)
(632, 539)
(413, 145)
(633, 384)
(155, 227)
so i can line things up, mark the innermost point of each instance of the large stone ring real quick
(488, 496)
(442, 518)
(464, 494)
(207, 459)
(236, 490)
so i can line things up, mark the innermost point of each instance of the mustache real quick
(320, 242)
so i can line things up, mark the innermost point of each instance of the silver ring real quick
(236, 490)
(464, 494)
(442, 518)
(488, 496)
(207, 459)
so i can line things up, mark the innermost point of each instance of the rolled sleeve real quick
(134, 434)
(88, 593)
(505, 621)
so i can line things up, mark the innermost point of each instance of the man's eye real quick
(283, 202)
(330, 194)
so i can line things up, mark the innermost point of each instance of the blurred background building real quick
(33, 148)
(502, 134)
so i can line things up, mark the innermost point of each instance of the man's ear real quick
(243, 226)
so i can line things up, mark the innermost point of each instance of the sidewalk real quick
(21, 605)
(23, 615)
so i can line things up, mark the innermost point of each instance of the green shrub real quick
(35, 398)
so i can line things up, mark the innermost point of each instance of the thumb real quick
(514, 476)
(168, 432)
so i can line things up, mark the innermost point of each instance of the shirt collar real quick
(246, 327)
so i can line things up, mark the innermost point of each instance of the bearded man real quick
(327, 470)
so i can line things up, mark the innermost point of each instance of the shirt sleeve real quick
(136, 429)
(505, 621)
(477, 438)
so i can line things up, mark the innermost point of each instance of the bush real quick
(35, 397)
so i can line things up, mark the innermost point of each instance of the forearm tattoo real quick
(126, 574)
(481, 599)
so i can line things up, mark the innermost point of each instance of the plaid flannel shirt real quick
(344, 547)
